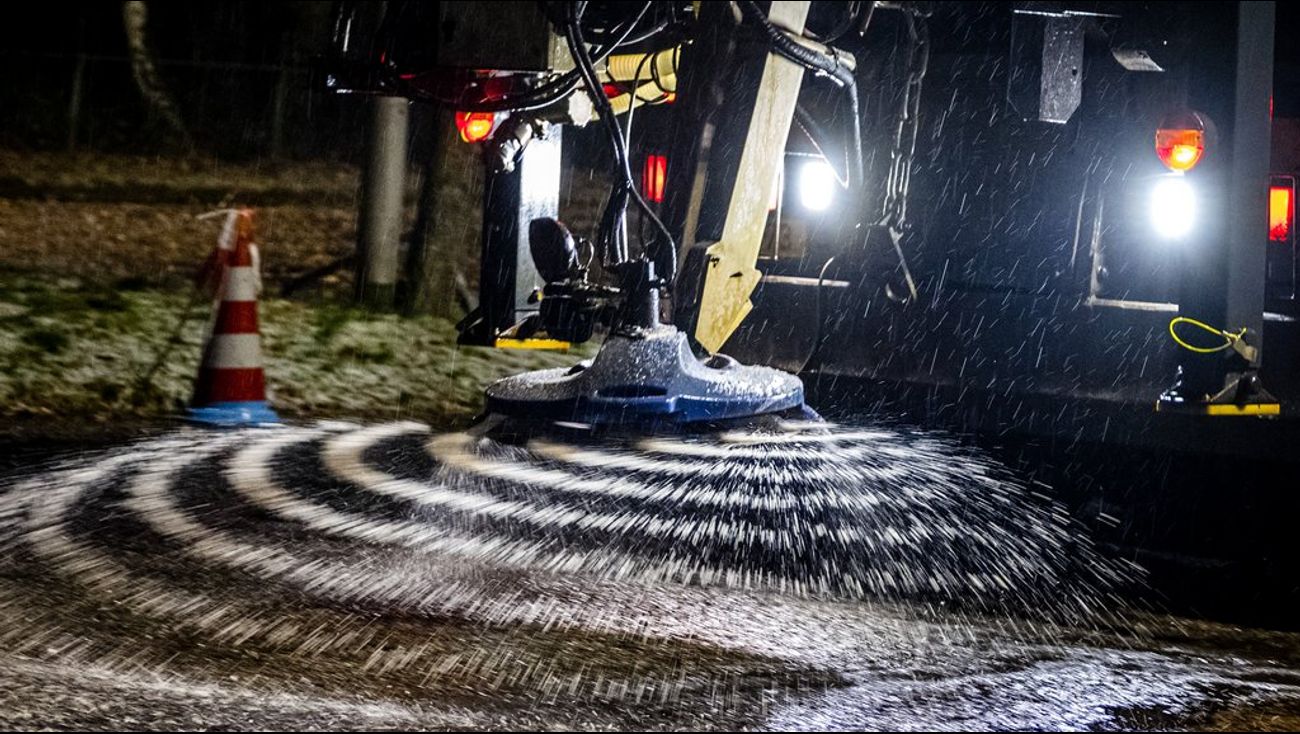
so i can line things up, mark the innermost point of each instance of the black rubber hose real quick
(793, 50)
(612, 247)
(814, 356)
(855, 113)
(664, 253)
(806, 57)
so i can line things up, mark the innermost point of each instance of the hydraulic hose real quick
(792, 50)
(613, 245)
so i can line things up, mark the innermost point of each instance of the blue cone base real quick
(233, 414)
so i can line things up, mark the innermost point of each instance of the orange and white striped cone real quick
(231, 386)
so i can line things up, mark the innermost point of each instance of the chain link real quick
(894, 214)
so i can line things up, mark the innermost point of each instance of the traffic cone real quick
(231, 386)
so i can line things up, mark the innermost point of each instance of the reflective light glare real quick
(816, 186)
(1173, 208)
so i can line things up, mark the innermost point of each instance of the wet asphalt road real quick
(160, 586)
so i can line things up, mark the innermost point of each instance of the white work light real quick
(1173, 207)
(817, 185)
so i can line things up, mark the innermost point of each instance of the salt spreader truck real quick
(1049, 220)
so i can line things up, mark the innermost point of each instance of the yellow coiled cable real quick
(1229, 338)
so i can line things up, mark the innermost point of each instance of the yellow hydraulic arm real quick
(719, 254)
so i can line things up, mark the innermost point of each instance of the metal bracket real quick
(1046, 82)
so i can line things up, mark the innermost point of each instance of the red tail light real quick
(653, 177)
(475, 127)
(1281, 212)
(1180, 141)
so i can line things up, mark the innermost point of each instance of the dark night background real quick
(223, 62)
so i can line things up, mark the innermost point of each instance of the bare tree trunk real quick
(446, 238)
(135, 16)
